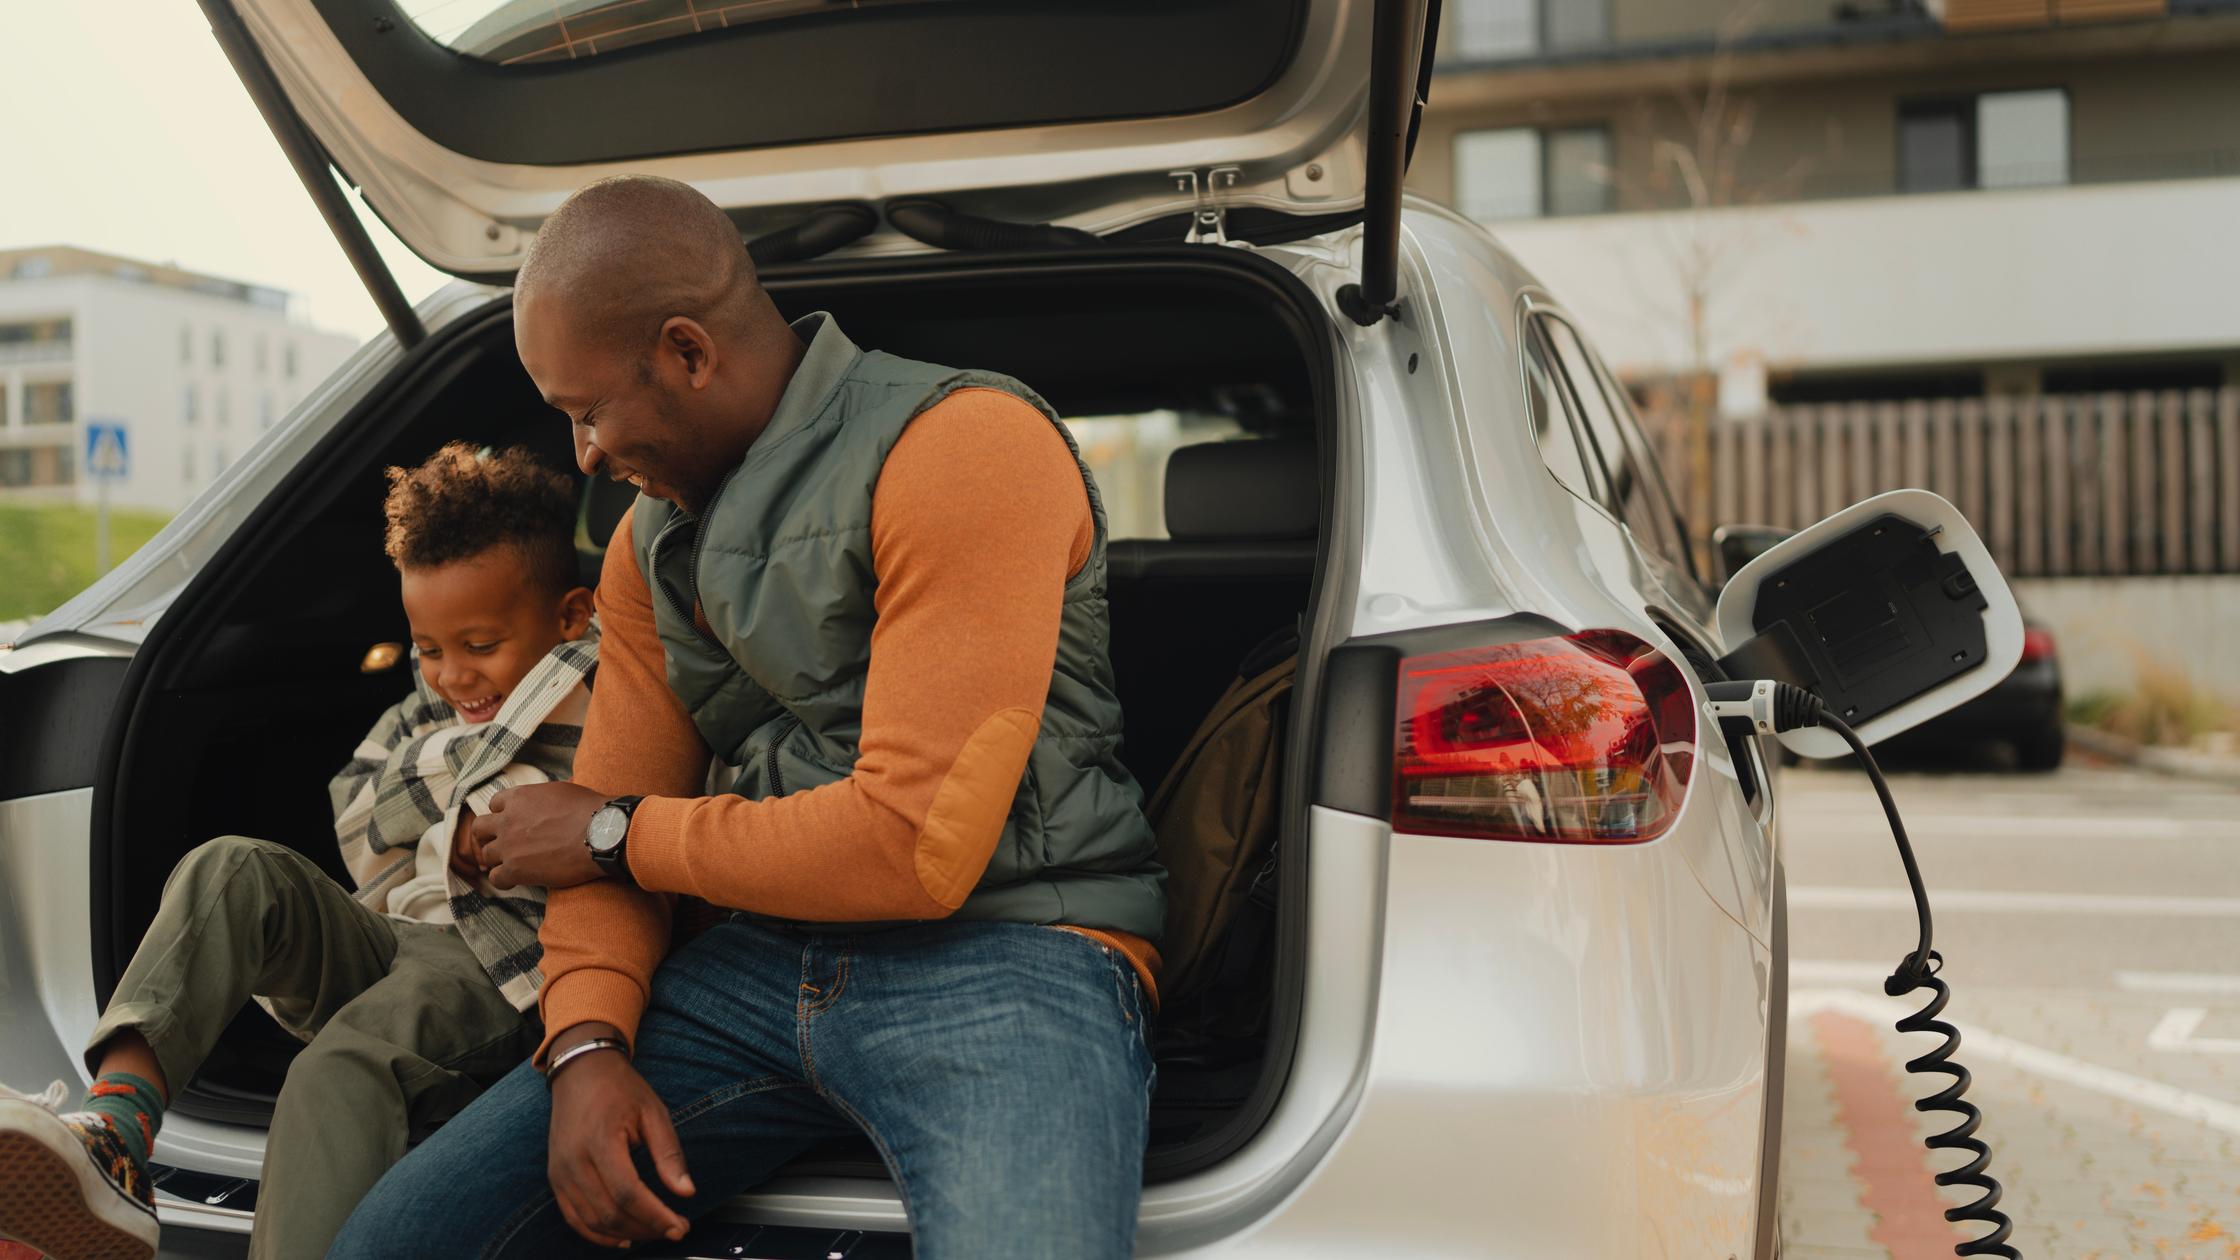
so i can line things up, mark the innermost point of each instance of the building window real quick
(47, 402)
(262, 355)
(1996, 140)
(15, 467)
(217, 347)
(1503, 30)
(288, 361)
(186, 343)
(189, 410)
(38, 332)
(1523, 173)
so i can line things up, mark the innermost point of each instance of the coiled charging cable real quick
(1770, 708)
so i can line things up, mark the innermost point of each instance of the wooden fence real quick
(2058, 485)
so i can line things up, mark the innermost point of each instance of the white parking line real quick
(2175, 1032)
(2176, 982)
(1837, 971)
(1821, 897)
(1803, 971)
(1978, 1045)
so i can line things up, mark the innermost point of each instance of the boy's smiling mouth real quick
(478, 708)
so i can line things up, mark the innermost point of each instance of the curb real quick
(2177, 763)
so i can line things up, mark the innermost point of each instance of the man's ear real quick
(684, 339)
(575, 613)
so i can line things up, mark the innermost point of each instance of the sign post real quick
(108, 458)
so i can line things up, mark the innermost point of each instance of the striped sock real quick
(132, 1107)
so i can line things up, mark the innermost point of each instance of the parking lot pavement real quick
(2090, 923)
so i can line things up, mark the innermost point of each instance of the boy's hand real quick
(601, 1108)
(534, 836)
(466, 851)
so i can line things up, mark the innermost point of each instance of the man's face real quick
(629, 423)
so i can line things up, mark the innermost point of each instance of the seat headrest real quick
(603, 505)
(1249, 489)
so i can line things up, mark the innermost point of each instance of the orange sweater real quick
(978, 519)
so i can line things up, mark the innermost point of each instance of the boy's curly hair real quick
(464, 500)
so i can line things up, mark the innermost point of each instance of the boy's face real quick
(482, 623)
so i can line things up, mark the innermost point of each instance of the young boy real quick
(414, 993)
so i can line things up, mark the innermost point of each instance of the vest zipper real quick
(691, 615)
(778, 779)
(692, 571)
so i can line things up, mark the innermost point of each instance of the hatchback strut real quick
(1399, 82)
(315, 169)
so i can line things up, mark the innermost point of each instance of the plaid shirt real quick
(397, 803)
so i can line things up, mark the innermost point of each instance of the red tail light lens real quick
(1585, 739)
(2037, 645)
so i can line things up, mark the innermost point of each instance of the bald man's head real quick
(638, 314)
(626, 253)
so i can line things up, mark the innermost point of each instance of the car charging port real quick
(1766, 707)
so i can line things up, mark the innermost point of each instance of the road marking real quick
(1898, 1185)
(1836, 971)
(1976, 1044)
(1821, 897)
(1817, 971)
(2175, 1033)
(2068, 826)
(2176, 982)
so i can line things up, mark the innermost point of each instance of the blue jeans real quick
(1002, 1070)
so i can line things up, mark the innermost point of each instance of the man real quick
(881, 608)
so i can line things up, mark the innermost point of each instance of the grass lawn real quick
(46, 552)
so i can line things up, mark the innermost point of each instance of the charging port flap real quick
(1891, 611)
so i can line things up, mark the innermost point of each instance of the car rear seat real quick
(1242, 518)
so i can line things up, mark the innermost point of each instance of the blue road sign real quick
(108, 457)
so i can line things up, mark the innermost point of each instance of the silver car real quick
(1524, 986)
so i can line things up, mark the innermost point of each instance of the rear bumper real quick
(1568, 1060)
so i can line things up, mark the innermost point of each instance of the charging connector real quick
(1769, 707)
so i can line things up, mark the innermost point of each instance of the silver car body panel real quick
(1505, 1049)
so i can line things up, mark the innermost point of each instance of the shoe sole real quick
(54, 1199)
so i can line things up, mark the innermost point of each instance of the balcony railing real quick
(16, 352)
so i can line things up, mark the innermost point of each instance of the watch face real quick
(608, 827)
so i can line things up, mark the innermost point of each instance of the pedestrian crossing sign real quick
(108, 458)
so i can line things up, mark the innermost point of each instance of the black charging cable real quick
(1769, 708)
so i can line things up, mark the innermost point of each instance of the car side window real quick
(1629, 494)
(1673, 525)
(1552, 426)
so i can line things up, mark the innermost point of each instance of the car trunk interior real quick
(250, 693)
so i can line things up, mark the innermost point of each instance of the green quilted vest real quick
(780, 566)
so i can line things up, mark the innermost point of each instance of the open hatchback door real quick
(465, 122)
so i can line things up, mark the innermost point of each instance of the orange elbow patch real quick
(969, 809)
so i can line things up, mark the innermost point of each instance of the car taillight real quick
(2037, 645)
(1585, 739)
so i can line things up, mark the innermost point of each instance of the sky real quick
(134, 137)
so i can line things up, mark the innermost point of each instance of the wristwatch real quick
(607, 834)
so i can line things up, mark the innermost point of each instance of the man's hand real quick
(534, 836)
(601, 1108)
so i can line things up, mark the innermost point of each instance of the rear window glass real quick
(516, 32)
(1128, 456)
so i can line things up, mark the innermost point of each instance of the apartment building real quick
(196, 368)
(1854, 200)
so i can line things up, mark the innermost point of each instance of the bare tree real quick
(1705, 243)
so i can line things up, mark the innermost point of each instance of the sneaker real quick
(68, 1186)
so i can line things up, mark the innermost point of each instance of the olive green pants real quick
(404, 1027)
